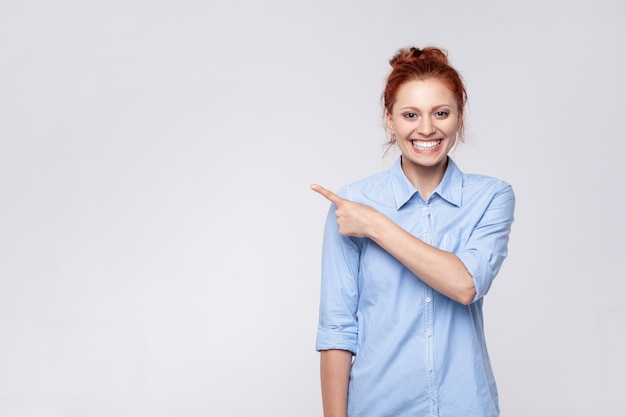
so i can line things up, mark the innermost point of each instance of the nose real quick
(426, 127)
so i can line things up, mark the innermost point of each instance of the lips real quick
(426, 145)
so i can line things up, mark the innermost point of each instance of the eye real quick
(409, 115)
(442, 114)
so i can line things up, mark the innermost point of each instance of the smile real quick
(423, 145)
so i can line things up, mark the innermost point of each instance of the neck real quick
(425, 179)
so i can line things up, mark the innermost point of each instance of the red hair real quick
(421, 64)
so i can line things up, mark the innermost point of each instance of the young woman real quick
(408, 256)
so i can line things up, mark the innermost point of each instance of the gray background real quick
(159, 244)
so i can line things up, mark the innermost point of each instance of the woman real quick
(408, 256)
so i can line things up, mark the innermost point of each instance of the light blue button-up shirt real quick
(416, 351)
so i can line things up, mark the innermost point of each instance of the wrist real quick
(377, 226)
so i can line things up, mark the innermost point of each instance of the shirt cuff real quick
(336, 339)
(480, 272)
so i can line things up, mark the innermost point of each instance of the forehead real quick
(425, 94)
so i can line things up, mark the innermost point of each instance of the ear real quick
(389, 120)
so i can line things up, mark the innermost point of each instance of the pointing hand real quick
(354, 219)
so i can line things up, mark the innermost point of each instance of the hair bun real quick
(411, 55)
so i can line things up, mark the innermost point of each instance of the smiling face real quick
(425, 121)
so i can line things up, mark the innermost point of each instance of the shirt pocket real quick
(455, 241)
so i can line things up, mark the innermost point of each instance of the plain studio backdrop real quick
(159, 244)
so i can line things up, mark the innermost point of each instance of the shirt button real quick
(428, 299)
(430, 369)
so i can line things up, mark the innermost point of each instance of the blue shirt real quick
(416, 351)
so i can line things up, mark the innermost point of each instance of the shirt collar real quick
(449, 188)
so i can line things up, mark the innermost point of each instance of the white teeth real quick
(423, 145)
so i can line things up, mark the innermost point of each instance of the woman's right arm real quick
(337, 333)
(335, 373)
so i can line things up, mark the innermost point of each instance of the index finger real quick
(332, 197)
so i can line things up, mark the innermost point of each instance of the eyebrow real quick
(434, 107)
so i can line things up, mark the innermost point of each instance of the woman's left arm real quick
(441, 270)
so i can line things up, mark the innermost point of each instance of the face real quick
(425, 121)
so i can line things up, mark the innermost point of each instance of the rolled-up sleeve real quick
(339, 297)
(486, 247)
